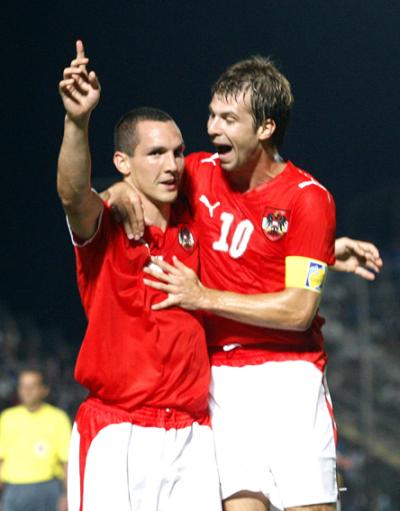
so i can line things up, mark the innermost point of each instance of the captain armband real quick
(305, 273)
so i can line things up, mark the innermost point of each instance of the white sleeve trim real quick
(311, 182)
(80, 245)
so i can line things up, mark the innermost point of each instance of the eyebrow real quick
(223, 113)
(164, 149)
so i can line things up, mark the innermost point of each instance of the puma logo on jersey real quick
(311, 182)
(210, 207)
(211, 159)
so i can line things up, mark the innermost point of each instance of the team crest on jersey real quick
(185, 238)
(315, 276)
(275, 223)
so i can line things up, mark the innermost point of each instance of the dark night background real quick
(342, 58)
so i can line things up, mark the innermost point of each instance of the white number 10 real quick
(240, 239)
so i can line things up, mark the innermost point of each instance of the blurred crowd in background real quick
(362, 334)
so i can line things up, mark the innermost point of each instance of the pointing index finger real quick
(80, 52)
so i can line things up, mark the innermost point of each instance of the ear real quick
(267, 129)
(121, 161)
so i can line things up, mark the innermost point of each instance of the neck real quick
(34, 407)
(266, 165)
(156, 214)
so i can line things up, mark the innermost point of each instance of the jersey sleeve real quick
(89, 254)
(310, 245)
(90, 257)
(64, 435)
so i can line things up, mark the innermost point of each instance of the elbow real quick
(303, 324)
(71, 199)
(302, 319)
(301, 307)
(68, 201)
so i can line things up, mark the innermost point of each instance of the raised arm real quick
(80, 93)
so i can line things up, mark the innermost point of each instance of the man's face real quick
(31, 390)
(157, 164)
(231, 129)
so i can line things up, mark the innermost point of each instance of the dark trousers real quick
(32, 497)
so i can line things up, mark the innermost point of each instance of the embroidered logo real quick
(211, 159)
(185, 238)
(275, 223)
(207, 204)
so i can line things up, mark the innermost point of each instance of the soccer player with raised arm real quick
(142, 439)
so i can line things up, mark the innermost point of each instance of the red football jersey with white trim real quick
(132, 356)
(245, 239)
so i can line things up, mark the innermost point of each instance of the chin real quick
(228, 166)
(167, 199)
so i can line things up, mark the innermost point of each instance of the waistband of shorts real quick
(150, 416)
(238, 355)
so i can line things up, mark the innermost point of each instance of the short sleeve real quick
(312, 225)
(90, 254)
(64, 435)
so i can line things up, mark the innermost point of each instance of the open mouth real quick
(223, 149)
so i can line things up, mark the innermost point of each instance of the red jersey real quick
(132, 356)
(245, 240)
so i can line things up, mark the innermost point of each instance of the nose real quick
(171, 162)
(213, 126)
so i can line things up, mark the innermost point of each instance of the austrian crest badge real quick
(275, 223)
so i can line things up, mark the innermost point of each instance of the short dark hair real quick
(35, 370)
(125, 134)
(270, 93)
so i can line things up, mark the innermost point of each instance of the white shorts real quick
(126, 467)
(274, 432)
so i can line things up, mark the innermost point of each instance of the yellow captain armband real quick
(305, 273)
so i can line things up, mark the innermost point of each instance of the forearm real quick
(74, 165)
(291, 309)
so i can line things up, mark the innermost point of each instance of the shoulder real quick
(309, 191)
(55, 414)
(53, 410)
(201, 159)
(12, 412)
(104, 236)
